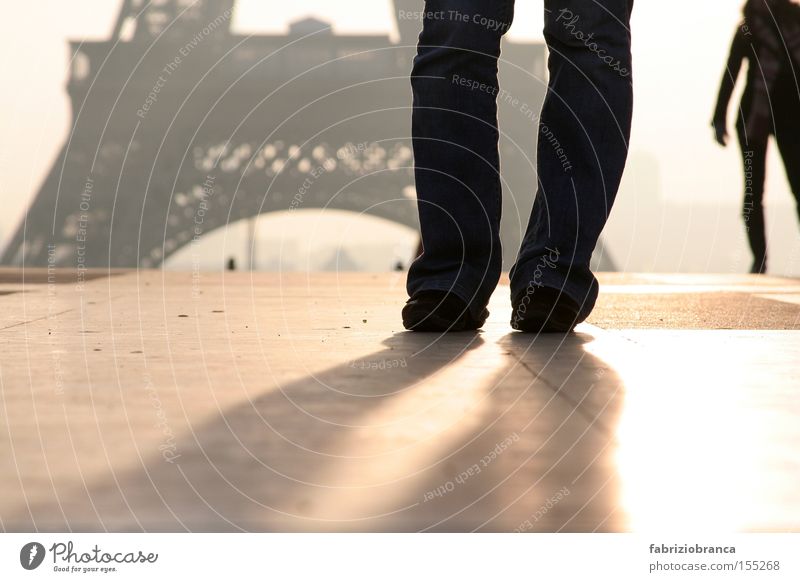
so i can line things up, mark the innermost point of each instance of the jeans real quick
(582, 148)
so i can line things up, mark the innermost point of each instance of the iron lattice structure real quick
(179, 127)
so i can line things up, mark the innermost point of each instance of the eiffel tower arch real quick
(179, 127)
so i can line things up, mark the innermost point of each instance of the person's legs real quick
(583, 146)
(754, 158)
(787, 135)
(455, 136)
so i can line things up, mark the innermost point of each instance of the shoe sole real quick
(423, 320)
(539, 322)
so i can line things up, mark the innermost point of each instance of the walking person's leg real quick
(583, 146)
(455, 136)
(787, 135)
(754, 159)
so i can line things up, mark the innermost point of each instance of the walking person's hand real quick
(720, 132)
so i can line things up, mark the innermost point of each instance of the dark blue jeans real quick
(582, 147)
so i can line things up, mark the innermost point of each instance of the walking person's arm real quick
(729, 77)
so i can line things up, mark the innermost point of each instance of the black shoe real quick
(547, 310)
(439, 311)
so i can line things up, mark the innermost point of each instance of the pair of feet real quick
(545, 310)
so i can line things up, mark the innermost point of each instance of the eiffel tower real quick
(180, 126)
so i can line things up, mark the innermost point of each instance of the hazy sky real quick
(679, 51)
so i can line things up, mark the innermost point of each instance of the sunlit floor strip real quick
(708, 437)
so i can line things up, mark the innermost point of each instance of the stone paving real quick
(165, 401)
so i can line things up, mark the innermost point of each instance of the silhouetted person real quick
(769, 38)
(583, 144)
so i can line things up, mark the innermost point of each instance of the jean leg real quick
(455, 138)
(583, 145)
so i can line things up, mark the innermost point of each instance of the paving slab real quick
(170, 401)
